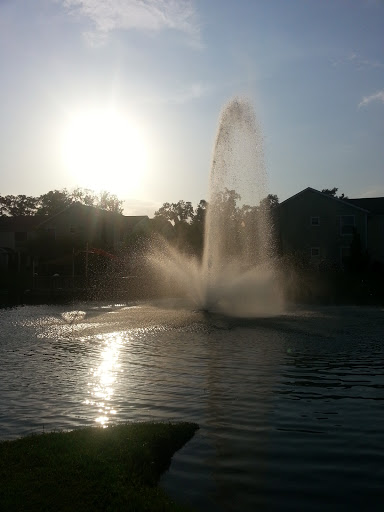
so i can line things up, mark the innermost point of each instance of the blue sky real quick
(152, 76)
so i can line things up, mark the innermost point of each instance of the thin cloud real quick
(378, 96)
(148, 15)
(361, 62)
(357, 61)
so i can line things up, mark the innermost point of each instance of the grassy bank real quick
(91, 469)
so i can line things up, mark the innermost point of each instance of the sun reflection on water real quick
(103, 378)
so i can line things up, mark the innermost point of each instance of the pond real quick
(290, 408)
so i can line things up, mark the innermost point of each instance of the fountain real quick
(235, 275)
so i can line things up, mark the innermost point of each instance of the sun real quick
(103, 150)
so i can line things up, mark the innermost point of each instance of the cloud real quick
(361, 62)
(357, 61)
(378, 96)
(147, 15)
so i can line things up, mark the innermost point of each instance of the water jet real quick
(236, 274)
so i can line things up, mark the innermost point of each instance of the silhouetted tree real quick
(333, 193)
(200, 213)
(53, 202)
(104, 200)
(177, 213)
(188, 224)
(270, 202)
(56, 200)
(18, 205)
(196, 235)
(109, 202)
(225, 204)
(84, 196)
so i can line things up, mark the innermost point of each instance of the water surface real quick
(290, 408)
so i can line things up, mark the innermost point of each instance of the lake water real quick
(291, 409)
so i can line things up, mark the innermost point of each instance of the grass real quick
(91, 469)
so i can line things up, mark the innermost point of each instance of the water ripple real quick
(290, 408)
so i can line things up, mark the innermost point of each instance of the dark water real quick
(291, 409)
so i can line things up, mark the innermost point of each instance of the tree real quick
(176, 213)
(333, 193)
(84, 196)
(56, 200)
(104, 200)
(14, 206)
(225, 204)
(53, 202)
(270, 202)
(109, 202)
(196, 236)
(186, 223)
(200, 213)
(185, 226)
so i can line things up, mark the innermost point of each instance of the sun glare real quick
(104, 151)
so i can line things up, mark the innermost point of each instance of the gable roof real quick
(327, 196)
(80, 207)
(129, 221)
(373, 204)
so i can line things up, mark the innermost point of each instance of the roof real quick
(373, 204)
(30, 222)
(129, 220)
(78, 206)
(133, 220)
(20, 223)
(331, 198)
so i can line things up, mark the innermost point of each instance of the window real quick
(315, 252)
(315, 221)
(347, 224)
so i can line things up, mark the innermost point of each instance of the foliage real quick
(53, 201)
(109, 202)
(200, 212)
(184, 225)
(176, 213)
(56, 200)
(91, 469)
(104, 200)
(333, 193)
(270, 202)
(18, 205)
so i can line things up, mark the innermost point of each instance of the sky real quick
(126, 95)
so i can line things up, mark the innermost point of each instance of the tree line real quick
(183, 224)
(56, 200)
(186, 223)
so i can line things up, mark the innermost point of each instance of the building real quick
(321, 228)
(26, 242)
(15, 235)
(79, 224)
